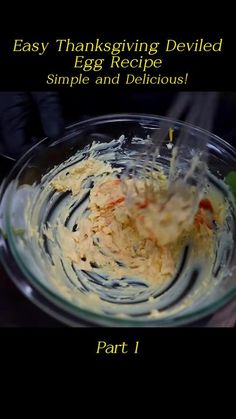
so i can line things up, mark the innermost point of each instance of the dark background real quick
(207, 71)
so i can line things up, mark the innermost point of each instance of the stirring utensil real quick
(177, 205)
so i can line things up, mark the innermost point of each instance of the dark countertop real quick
(16, 310)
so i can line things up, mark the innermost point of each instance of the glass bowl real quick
(79, 298)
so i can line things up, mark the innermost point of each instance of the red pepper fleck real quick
(116, 182)
(201, 218)
(143, 204)
(115, 202)
(206, 204)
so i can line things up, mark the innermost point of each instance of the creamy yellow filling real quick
(122, 235)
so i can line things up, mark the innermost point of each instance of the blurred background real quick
(76, 105)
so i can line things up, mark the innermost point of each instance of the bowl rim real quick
(68, 307)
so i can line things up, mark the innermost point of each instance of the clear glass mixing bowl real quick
(183, 300)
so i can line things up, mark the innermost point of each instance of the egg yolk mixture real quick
(127, 233)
